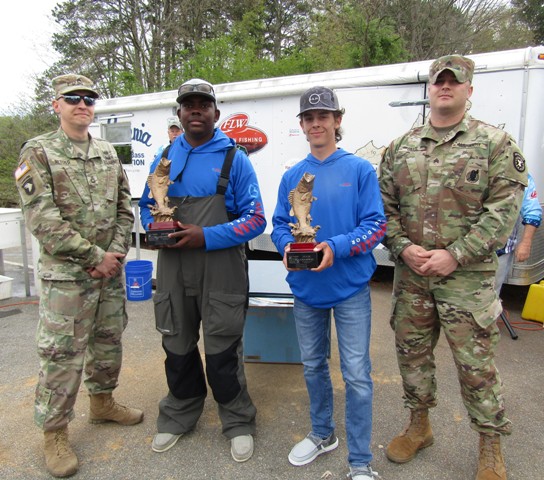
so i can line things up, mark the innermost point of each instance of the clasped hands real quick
(439, 263)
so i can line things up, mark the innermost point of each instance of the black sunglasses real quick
(199, 87)
(75, 99)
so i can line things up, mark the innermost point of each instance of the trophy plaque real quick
(302, 255)
(164, 224)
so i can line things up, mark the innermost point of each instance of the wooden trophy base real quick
(302, 256)
(157, 235)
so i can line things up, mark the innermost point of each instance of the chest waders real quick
(193, 287)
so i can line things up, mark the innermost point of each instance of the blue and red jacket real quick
(195, 173)
(349, 211)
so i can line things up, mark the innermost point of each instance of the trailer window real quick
(118, 133)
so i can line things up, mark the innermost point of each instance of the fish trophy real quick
(302, 255)
(158, 182)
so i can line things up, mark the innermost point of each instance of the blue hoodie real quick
(195, 172)
(350, 213)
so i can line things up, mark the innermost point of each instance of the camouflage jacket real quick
(77, 206)
(461, 193)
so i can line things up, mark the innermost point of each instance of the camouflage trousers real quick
(79, 330)
(465, 306)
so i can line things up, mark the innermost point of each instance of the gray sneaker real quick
(310, 448)
(241, 447)
(362, 473)
(164, 441)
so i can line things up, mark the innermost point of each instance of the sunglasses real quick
(199, 87)
(75, 99)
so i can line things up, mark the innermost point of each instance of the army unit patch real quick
(519, 162)
(21, 170)
(29, 186)
(473, 176)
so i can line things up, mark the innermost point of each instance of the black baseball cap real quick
(319, 98)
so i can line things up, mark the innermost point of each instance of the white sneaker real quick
(310, 448)
(241, 448)
(164, 441)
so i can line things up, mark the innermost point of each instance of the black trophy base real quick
(157, 235)
(302, 256)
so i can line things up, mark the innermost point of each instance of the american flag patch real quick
(21, 170)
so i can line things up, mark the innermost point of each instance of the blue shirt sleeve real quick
(243, 200)
(372, 222)
(281, 234)
(531, 211)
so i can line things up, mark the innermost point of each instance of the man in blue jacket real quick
(349, 211)
(516, 248)
(203, 277)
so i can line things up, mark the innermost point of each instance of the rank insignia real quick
(473, 176)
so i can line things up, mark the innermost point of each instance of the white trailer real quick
(381, 103)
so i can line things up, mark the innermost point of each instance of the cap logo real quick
(314, 98)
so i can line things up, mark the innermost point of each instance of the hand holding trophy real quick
(302, 255)
(158, 182)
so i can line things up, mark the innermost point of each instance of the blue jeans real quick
(352, 320)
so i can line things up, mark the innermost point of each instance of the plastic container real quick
(534, 303)
(5, 287)
(138, 275)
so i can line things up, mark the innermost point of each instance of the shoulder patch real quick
(28, 186)
(519, 162)
(22, 169)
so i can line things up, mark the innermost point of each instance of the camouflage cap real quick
(461, 67)
(174, 122)
(319, 98)
(64, 84)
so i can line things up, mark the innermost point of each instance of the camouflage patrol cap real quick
(319, 98)
(461, 67)
(64, 84)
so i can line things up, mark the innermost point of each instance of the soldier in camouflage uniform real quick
(452, 192)
(76, 201)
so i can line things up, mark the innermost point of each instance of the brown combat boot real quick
(416, 436)
(60, 459)
(105, 409)
(491, 466)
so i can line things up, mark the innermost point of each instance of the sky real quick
(26, 27)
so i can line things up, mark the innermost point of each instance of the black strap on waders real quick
(225, 172)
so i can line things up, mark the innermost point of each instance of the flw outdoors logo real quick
(236, 127)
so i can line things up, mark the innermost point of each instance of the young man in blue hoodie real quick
(349, 211)
(203, 277)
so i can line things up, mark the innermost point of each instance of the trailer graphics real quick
(236, 127)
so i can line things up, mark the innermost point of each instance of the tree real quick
(507, 33)
(532, 13)
(132, 46)
(431, 28)
(16, 129)
(353, 33)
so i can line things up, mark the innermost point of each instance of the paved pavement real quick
(278, 390)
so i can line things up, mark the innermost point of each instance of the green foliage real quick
(14, 131)
(352, 34)
(221, 60)
(8, 192)
(531, 12)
